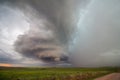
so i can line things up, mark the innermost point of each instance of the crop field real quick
(53, 73)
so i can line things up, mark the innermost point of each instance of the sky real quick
(79, 33)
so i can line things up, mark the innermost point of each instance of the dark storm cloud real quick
(46, 39)
(51, 24)
(40, 46)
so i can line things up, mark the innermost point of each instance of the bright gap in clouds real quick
(12, 24)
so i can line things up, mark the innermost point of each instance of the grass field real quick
(53, 73)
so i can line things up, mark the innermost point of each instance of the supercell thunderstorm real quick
(77, 32)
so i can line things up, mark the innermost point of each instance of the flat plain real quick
(55, 73)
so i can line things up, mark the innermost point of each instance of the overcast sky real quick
(60, 32)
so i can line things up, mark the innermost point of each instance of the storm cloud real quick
(58, 32)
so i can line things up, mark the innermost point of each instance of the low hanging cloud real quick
(41, 42)
(35, 47)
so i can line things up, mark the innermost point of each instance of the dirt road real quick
(113, 76)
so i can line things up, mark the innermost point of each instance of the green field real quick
(53, 73)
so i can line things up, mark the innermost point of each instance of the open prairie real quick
(53, 73)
